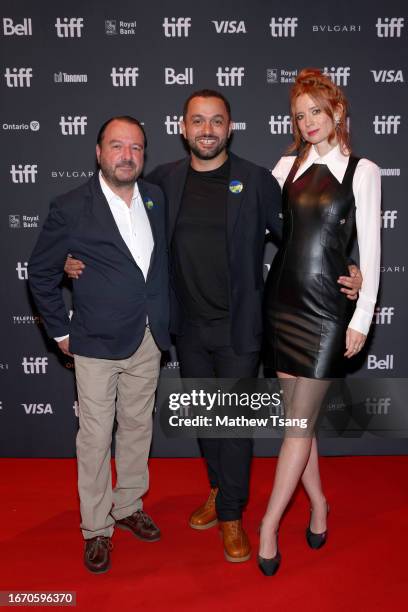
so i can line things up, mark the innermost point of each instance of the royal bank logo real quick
(374, 363)
(171, 77)
(280, 75)
(388, 219)
(23, 174)
(383, 315)
(124, 77)
(18, 77)
(35, 365)
(172, 124)
(37, 408)
(176, 27)
(390, 171)
(69, 27)
(339, 76)
(64, 77)
(283, 27)
(280, 124)
(73, 126)
(230, 76)
(33, 126)
(387, 76)
(389, 27)
(124, 28)
(22, 270)
(18, 29)
(24, 221)
(386, 124)
(229, 27)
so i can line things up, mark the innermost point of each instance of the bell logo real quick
(20, 29)
(388, 218)
(38, 408)
(73, 126)
(176, 27)
(69, 27)
(388, 76)
(230, 77)
(280, 124)
(35, 365)
(283, 27)
(230, 27)
(387, 124)
(173, 124)
(380, 364)
(383, 315)
(18, 77)
(124, 77)
(22, 270)
(183, 78)
(23, 174)
(389, 27)
(339, 76)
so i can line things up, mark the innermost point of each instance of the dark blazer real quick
(249, 213)
(112, 300)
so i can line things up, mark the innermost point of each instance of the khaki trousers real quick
(125, 388)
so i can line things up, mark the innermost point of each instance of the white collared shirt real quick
(367, 195)
(133, 224)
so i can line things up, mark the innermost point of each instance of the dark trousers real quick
(204, 351)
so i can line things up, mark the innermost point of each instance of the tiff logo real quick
(380, 364)
(387, 124)
(230, 77)
(176, 27)
(383, 315)
(280, 124)
(69, 27)
(124, 77)
(73, 126)
(283, 26)
(377, 405)
(23, 174)
(22, 270)
(35, 365)
(339, 76)
(389, 27)
(388, 218)
(18, 77)
(173, 124)
(20, 29)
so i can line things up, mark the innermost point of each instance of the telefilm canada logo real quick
(115, 27)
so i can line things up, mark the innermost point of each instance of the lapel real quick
(174, 193)
(239, 176)
(146, 198)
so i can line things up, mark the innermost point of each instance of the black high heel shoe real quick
(269, 567)
(316, 540)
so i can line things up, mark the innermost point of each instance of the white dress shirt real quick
(367, 195)
(133, 224)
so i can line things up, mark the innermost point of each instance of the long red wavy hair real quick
(330, 98)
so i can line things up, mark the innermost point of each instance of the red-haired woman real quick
(309, 327)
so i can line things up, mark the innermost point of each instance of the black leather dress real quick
(306, 315)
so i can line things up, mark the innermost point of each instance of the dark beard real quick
(222, 145)
(112, 178)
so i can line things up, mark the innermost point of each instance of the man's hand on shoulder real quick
(351, 284)
(73, 267)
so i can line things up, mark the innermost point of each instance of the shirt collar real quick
(334, 160)
(111, 195)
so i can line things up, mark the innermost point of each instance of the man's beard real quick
(113, 178)
(210, 153)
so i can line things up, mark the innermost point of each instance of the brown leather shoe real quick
(141, 525)
(205, 516)
(97, 554)
(237, 547)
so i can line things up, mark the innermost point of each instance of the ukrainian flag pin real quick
(236, 186)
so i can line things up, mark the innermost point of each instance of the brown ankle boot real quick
(237, 547)
(205, 516)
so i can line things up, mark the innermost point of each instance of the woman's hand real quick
(354, 342)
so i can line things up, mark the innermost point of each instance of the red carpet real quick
(362, 568)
